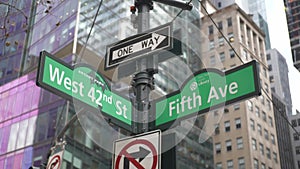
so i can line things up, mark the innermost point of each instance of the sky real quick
(280, 40)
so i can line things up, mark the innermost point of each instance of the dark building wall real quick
(283, 133)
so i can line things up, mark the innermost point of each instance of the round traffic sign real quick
(54, 163)
(125, 154)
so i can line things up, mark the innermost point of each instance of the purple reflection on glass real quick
(18, 160)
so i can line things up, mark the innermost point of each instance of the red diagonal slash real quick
(131, 159)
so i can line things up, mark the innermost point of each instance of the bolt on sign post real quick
(85, 85)
(207, 90)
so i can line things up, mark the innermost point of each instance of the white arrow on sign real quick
(152, 43)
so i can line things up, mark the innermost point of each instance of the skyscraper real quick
(295, 121)
(282, 103)
(279, 79)
(292, 15)
(283, 131)
(246, 134)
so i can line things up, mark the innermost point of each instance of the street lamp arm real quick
(178, 4)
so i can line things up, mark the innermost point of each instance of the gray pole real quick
(143, 80)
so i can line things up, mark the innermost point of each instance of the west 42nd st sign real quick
(207, 90)
(84, 84)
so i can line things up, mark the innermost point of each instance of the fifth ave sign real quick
(154, 40)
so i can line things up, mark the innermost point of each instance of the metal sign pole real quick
(143, 80)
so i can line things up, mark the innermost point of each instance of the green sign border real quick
(40, 83)
(256, 92)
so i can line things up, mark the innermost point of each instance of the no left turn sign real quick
(138, 152)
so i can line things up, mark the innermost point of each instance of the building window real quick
(211, 44)
(261, 149)
(275, 157)
(222, 56)
(264, 116)
(255, 163)
(228, 145)
(229, 22)
(219, 166)
(271, 78)
(218, 148)
(254, 144)
(268, 56)
(273, 89)
(231, 53)
(270, 121)
(296, 136)
(294, 123)
(259, 129)
(220, 25)
(257, 111)
(262, 99)
(212, 60)
(273, 139)
(297, 150)
(241, 163)
(269, 104)
(236, 106)
(267, 87)
(221, 41)
(227, 126)
(229, 164)
(219, 4)
(210, 30)
(266, 134)
(268, 152)
(239, 143)
(245, 54)
(217, 129)
(238, 124)
(298, 164)
(265, 72)
(263, 166)
(270, 67)
(250, 105)
(230, 37)
(252, 124)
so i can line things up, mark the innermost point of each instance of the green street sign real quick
(207, 90)
(82, 83)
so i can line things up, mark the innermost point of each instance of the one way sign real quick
(154, 40)
(138, 152)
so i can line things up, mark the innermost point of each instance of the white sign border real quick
(135, 137)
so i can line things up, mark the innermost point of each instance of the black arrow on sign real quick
(141, 154)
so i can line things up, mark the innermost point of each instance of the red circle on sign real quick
(53, 163)
(137, 164)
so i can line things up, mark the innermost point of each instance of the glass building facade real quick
(15, 20)
(31, 117)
